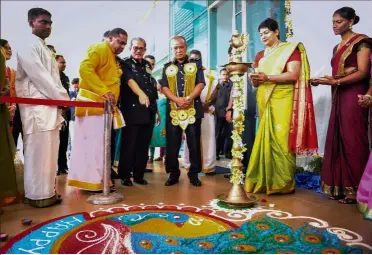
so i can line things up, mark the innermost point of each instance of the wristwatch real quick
(228, 109)
(188, 99)
(268, 78)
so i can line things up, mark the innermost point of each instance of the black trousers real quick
(174, 140)
(135, 143)
(223, 136)
(17, 125)
(63, 143)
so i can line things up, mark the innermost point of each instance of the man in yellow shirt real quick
(99, 80)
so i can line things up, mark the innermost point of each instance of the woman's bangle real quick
(369, 97)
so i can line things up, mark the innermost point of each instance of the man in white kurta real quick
(208, 140)
(38, 77)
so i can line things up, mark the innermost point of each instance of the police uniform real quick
(139, 119)
(174, 133)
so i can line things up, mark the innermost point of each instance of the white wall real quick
(78, 24)
(312, 25)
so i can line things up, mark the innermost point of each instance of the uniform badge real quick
(171, 71)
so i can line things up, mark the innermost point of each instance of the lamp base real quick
(237, 197)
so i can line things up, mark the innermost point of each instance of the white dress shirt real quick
(38, 77)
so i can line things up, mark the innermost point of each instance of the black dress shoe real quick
(196, 182)
(228, 156)
(171, 181)
(114, 175)
(218, 157)
(141, 181)
(211, 173)
(126, 182)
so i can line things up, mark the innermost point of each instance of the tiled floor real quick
(302, 204)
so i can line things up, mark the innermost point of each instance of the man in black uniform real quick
(138, 105)
(63, 132)
(185, 106)
(223, 128)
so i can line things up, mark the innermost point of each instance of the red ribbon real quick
(49, 102)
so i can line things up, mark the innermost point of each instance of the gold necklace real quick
(271, 49)
(345, 41)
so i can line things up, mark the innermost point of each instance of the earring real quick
(351, 26)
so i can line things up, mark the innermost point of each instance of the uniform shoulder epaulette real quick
(126, 59)
(168, 63)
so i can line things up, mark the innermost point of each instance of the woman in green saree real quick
(8, 183)
(285, 110)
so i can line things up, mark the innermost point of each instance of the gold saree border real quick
(337, 191)
(346, 54)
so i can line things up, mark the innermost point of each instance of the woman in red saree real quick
(347, 149)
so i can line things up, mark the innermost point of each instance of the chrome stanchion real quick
(106, 198)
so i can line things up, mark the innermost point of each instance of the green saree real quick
(272, 164)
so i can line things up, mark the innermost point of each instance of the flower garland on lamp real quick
(288, 19)
(237, 197)
(238, 117)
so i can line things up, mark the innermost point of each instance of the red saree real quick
(347, 149)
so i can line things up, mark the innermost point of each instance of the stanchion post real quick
(107, 148)
(107, 197)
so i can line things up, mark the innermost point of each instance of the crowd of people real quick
(188, 99)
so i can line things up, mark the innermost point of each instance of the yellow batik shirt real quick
(99, 74)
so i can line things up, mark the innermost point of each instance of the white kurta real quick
(208, 139)
(38, 77)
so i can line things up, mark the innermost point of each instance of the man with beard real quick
(38, 77)
(100, 75)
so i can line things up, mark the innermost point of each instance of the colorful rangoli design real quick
(170, 229)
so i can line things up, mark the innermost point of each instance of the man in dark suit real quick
(138, 105)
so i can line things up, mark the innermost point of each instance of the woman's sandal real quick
(347, 201)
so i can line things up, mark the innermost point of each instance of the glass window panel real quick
(238, 6)
(238, 22)
(258, 11)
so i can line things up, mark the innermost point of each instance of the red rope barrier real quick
(49, 102)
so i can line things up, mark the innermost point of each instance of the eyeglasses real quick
(135, 48)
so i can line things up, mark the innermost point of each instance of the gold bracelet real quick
(338, 82)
